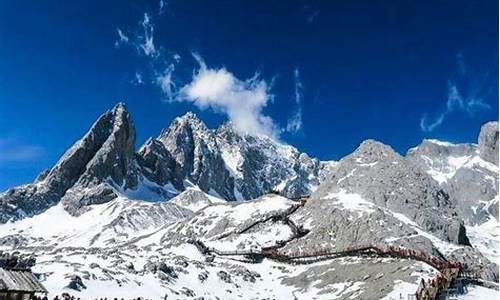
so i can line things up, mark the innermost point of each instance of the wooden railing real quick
(427, 290)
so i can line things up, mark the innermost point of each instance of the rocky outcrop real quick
(229, 164)
(383, 177)
(103, 164)
(103, 155)
(194, 148)
(260, 165)
(76, 283)
(465, 171)
(488, 142)
(157, 164)
(111, 166)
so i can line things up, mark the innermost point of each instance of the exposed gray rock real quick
(194, 148)
(260, 165)
(375, 277)
(466, 171)
(477, 263)
(113, 165)
(380, 175)
(470, 190)
(104, 153)
(156, 163)
(488, 142)
(224, 276)
(42, 175)
(76, 283)
(333, 227)
(103, 165)
(493, 208)
(94, 265)
(203, 276)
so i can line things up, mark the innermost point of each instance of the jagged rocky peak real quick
(380, 175)
(436, 148)
(441, 159)
(260, 164)
(466, 171)
(105, 151)
(488, 142)
(235, 165)
(111, 166)
(197, 157)
(114, 160)
(157, 164)
(228, 133)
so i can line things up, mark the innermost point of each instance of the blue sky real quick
(320, 75)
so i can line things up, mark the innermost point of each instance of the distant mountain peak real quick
(488, 142)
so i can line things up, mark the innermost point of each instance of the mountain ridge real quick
(130, 222)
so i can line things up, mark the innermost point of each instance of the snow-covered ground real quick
(115, 259)
(113, 222)
(224, 278)
(478, 293)
(484, 237)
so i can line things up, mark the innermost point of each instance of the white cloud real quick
(138, 79)
(427, 127)
(146, 40)
(460, 99)
(241, 100)
(162, 6)
(166, 82)
(295, 121)
(123, 38)
(456, 102)
(142, 38)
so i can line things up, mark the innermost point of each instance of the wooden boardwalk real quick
(451, 278)
(439, 287)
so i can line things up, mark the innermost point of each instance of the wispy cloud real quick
(122, 38)
(166, 82)
(162, 6)
(312, 16)
(295, 121)
(159, 63)
(460, 99)
(242, 101)
(138, 80)
(12, 151)
(140, 38)
(146, 39)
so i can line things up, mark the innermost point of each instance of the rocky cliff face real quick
(197, 158)
(488, 142)
(104, 164)
(127, 219)
(111, 166)
(380, 175)
(467, 172)
(102, 157)
(227, 164)
(260, 165)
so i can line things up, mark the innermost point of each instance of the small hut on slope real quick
(17, 282)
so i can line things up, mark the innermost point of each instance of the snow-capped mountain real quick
(104, 165)
(468, 172)
(216, 214)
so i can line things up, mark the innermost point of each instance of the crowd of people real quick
(66, 296)
(422, 256)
